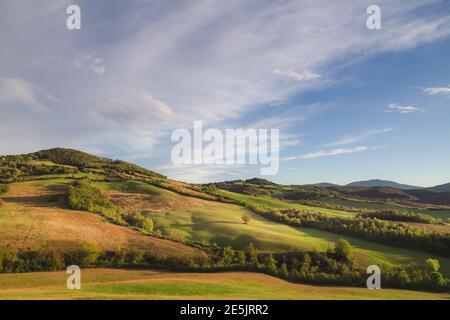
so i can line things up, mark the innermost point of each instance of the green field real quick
(222, 224)
(149, 284)
(279, 204)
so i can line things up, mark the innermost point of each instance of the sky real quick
(350, 103)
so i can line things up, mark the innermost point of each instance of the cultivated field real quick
(148, 284)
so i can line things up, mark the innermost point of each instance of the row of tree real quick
(336, 266)
(401, 215)
(401, 235)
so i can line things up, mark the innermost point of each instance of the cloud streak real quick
(332, 153)
(303, 76)
(395, 107)
(349, 139)
(21, 92)
(437, 90)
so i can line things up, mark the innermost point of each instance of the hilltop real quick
(382, 183)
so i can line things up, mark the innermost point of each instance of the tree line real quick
(372, 229)
(336, 266)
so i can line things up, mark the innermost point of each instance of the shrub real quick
(138, 220)
(343, 250)
(4, 188)
(246, 218)
(87, 254)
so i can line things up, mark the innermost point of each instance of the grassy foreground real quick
(149, 284)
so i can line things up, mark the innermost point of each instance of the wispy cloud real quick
(349, 139)
(18, 91)
(293, 75)
(195, 59)
(437, 90)
(334, 152)
(395, 107)
(327, 153)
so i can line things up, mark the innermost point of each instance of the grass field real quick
(148, 284)
(279, 204)
(222, 224)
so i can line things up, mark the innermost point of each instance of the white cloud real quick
(349, 139)
(395, 107)
(334, 152)
(437, 90)
(14, 90)
(303, 76)
(195, 60)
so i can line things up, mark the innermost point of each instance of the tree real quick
(253, 255)
(88, 253)
(432, 265)
(283, 272)
(246, 218)
(343, 250)
(228, 256)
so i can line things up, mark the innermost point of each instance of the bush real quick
(138, 220)
(4, 188)
(343, 250)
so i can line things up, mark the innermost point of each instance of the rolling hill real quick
(188, 222)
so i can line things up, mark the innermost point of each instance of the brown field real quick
(29, 221)
(149, 284)
(149, 204)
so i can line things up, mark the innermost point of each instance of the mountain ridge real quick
(382, 183)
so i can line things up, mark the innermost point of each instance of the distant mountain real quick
(441, 188)
(324, 185)
(382, 183)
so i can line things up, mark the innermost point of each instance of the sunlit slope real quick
(222, 224)
(29, 220)
(269, 202)
(148, 284)
(32, 217)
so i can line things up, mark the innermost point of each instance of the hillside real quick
(441, 188)
(60, 201)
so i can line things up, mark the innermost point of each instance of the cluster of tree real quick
(119, 166)
(84, 195)
(336, 266)
(69, 157)
(12, 170)
(401, 215)
(138, 220)
(333, 206)
(4, 188)
(372, 229)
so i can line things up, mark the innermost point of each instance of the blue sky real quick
(350, 103)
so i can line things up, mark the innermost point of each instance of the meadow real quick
(151, 284)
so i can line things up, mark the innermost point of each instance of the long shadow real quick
(45, 201)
